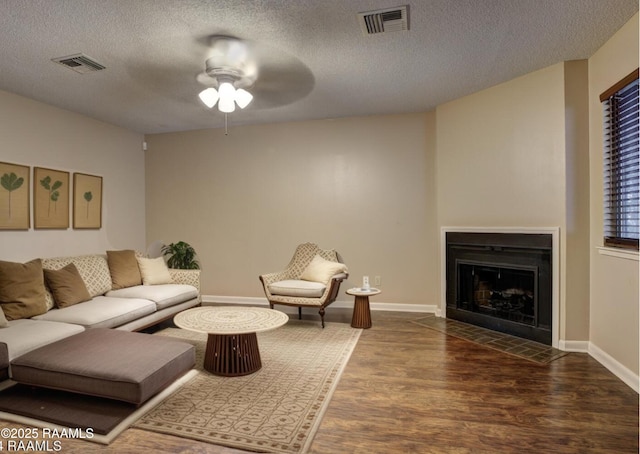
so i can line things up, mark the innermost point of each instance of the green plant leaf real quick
(56, 185)
(181, 256)
(55, 195)
(11, 182)
(88, 196)
(46, 183)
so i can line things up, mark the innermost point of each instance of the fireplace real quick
(501, 281)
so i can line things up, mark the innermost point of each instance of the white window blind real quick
(622, 164)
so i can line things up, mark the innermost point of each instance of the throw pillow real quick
(124, 270)
(66, 285)
(154, 271)
(321, 270)
(22, 289)
(3, 320)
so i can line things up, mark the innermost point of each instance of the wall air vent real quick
(80, 63)
(384, 20)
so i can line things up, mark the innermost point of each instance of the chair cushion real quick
(321, 270)
(163, 295)
(67, 286)
(295, 287)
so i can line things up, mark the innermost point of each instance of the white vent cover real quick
(80, 63)
(384, 20)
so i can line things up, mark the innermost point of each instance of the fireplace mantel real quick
(555, 259)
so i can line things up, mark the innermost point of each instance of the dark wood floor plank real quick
(410, 389)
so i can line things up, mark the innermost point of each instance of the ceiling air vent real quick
(80, 63)
(384, 20)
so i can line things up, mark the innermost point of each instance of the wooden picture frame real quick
(14, 197)
(50, 198)
(87, 201)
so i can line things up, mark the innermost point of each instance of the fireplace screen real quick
(507, 293)
(501, 281)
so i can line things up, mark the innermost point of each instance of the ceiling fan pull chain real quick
(226, 132)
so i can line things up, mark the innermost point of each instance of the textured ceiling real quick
(154, 50)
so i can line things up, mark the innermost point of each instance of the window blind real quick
(622, 164)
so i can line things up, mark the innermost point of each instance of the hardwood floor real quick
(410, 389)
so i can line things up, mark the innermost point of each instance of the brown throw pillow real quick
(124, 270)
(22, 289)
(66, 285)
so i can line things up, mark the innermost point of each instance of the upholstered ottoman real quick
(115, 364)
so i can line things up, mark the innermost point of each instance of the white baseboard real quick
(620, 371)
(375, 306)
(573, 346)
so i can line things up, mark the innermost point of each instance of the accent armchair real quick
(312, 279)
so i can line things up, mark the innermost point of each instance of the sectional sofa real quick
(47, 300)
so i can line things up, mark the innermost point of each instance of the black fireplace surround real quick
(501, 281)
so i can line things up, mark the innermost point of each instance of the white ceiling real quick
(154, 49)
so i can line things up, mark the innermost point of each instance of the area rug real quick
(277, 409)
(93, 418)
(522, 348)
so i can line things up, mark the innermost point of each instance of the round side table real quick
(361, 312)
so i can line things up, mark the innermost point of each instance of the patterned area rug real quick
(277, 409)
(522, 348)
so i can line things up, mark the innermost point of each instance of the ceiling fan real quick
(239, 72)
(228, 70)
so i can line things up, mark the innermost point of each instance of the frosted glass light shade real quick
(227, 95)
(243, 98)
(209, 97)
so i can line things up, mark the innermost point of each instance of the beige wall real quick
(36, 134)
(500, 154)
(576, 227)
(614, 280)
(509, 156)
(364, 186)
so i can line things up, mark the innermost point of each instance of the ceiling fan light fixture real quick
(209, 97)
(243, 98)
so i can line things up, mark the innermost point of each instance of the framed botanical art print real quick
(87, 201)
(14, 197)
(50, 198)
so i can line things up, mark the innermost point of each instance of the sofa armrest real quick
(188, 277)
(4, 361)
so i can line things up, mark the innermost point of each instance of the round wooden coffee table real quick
(232, 344)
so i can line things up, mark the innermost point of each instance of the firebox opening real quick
(506, 293)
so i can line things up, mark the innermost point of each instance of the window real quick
(621, 164)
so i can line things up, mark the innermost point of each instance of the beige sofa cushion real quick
(22, 292)
(124, 269)
(101, 312)
(67, 286)
(293, 287)
(154, 271)
(163, 295)
(22, 336)
(322, 270)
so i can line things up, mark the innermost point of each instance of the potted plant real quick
(181, 256)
